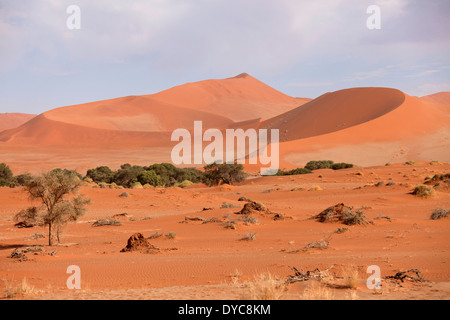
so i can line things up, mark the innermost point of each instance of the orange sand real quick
(203, 257)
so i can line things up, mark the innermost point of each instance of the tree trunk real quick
(50, 236)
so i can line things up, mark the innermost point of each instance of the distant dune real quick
(239, 98)
(440, 97)
(13, 120)
(365, 126)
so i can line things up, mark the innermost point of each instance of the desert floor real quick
(209, 261)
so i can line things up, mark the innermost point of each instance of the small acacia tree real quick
(51, 188)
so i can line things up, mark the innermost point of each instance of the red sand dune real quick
(365, 126)
(412, 130)
(13, 120)
(240, 98)
(134, 113)
(335, 111)
(440, 97)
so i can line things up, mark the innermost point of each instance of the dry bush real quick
(106, 222)
(439, 213)
(317, 291)
(247, 219)
(322, 244)
(342, 213)
(249, 237)
(156, 235)
(264, 287)
(236, 276)
(351, 277)
(171, 235)
(423, 191)
(24, 289)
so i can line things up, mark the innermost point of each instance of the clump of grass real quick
(231, 224)
(106, 222)
(156, 235)
(423, 191)
(235, 276)
(227, 205)
(24, 289)
(351, 277)
(171, 235)
(264, 287)
(124, 195)
(211, 220)
(341, 230)
(185, 184)
(249, 237)
(321, 245)
(410, 162)
(317, 291)
(315, 188)
(439, 213)
(354, 218)
(342, 213)
(249, 219)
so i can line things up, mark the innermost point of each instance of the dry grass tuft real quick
(264, 287)
(317, 291)
(423, 191)
(22, 290)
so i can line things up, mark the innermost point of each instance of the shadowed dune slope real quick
(335, 111)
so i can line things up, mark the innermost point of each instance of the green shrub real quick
(150, 177)
(341, 165)
(127, 174)
(101, 174)
(223, 173)
(185, 183)
(321, 164)
(171, 175)
(23, 179)
(292, 172)
(67, 172)
(6, 175)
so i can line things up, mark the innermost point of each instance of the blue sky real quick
(302, 48)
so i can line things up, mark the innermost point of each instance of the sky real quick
(302, 48)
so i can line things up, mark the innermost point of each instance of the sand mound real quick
(137, 242)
